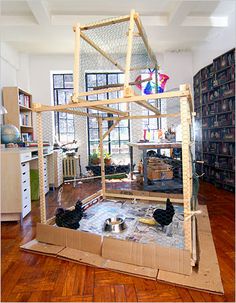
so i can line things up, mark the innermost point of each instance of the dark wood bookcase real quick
(214, 103)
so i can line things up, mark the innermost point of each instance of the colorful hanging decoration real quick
(148, 88)
(162, 79)
(151, 85)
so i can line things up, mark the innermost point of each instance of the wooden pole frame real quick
(129, 55)
(142, 117)
(186, 166)
(144, 37)
(43, 218)
(140, 197)
(86, 104)
(105, 22)
(76, 71)
(186, 109)
(133, 19)
(102, 156)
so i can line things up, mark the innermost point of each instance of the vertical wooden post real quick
(186, 166)
(156, 91)
(127, 88)
(76, 64)
(41, 170)
(101, 157)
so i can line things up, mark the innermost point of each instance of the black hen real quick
(69, 218)
(164, 216)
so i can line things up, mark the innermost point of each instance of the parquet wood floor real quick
(30, 277)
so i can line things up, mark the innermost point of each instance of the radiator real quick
(69, 167)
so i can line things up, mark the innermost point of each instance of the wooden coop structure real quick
(134, 35)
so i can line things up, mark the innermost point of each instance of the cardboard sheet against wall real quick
(206, 277)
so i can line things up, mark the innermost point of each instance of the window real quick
(62, 92)
(116, 142)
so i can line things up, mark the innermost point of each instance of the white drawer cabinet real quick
(15, 182)
(15, 186)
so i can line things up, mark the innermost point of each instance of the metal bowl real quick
(115, 225)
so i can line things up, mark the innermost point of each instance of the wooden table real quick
(144, 146)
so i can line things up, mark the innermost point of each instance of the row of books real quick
(218, 148)
(24, 100)
(219, 120)
(223, 61)
(218, 134)
(223, 105)
(25, 119)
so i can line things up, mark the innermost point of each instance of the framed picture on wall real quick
(25, 137)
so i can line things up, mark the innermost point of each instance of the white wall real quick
(14, 69)
(215, 45)
(178, 66)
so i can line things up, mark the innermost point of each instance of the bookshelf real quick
(19, 113)
(214, 102)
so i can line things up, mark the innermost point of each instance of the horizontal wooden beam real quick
(142, 117)
(78, 113)
(102, 90)
(105, 22)
(149, 198)
(110, 110)
(148, 106)
(86, 104)
(101, 51)
(68, 111)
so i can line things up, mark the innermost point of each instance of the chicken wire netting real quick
(113, 40)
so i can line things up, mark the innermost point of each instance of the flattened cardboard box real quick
(148, 255)
(206, 277)
(124, 251)
(69, 238)
(96, 260)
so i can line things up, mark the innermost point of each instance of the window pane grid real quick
(62, 91)
(120, 136)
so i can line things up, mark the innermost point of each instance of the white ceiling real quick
(45, 26)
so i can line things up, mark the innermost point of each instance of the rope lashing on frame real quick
(192, 213)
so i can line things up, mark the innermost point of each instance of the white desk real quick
(15, 179)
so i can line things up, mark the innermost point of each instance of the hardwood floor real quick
(30, 277)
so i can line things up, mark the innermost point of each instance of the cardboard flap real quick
(81, 256)
(84, 241)
(207, 275)
(139, 271)
(51, 234)
(147, 255)
(43, 248)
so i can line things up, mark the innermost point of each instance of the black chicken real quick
(69, 218)
(164, 216)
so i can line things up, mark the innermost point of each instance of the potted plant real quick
(95, 158)
(107, 158)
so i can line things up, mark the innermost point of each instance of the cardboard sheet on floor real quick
(98, 261)
(43, 248)
(207, 275)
